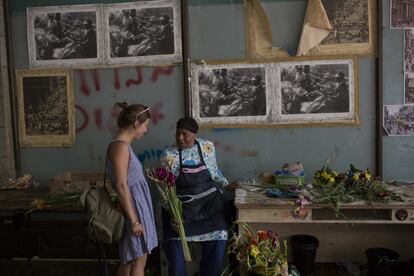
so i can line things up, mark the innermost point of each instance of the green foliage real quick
(330, 187)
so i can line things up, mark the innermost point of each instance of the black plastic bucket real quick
(402, 269)
(411, 263)
(381, 261)
(304, 252)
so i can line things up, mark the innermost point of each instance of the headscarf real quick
(188, 123)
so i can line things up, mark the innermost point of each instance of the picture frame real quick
(65, 36)
(296, 91)
(45, 108)
(142, 33)
(224, 94)
(401, 14)
(358, 38)
(317, 91)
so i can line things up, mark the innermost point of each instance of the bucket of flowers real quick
(259, 252)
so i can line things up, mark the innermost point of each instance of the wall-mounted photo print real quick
(46, 108)
(401, 14)
(409, 88)
(143, 33)
(65, 36)
(282, 93)
(353, 28)
(231, 93)
(409, 50)
(316, 91)
(399, 120)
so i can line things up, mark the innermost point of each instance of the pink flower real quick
(171, 179)
(161, 173)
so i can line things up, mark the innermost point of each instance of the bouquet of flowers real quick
(260, 252)
(165, 182)
(355, 184)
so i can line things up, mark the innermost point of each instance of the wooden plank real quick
(249, 199)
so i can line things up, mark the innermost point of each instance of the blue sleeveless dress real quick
(130, 246)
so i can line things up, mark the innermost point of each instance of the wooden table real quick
(46, 233)
(341, 239)
(19, 201)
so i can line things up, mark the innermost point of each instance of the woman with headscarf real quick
(200, 188)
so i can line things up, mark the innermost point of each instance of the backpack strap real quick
(106, 160)
(106, 164)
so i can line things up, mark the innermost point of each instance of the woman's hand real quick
(232, 186)
(174, 224)
(137, 228)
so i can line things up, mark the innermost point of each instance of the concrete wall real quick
(216, 32)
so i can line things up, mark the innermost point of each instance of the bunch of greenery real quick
(56, 201)
(330, 187)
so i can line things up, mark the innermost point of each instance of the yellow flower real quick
(254, 251)
(208, 149)
(331, 180)
(368, 176)
(170, 161)
(356, 177)
(325, 175)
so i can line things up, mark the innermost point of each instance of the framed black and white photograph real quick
(401, 14)
(399, 120)
(409, 88)
(230, 93)
(45, 108)
(144, 33)
(353, 23)
(409, 50)
(65, 36)
(316, 91)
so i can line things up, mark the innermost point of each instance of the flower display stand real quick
(361, 225)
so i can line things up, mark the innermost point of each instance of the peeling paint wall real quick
(256, 150)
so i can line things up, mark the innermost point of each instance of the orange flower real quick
(40, 203)
(263, 235)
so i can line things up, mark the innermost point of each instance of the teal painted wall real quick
(216, 32)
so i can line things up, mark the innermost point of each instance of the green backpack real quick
(106, 223)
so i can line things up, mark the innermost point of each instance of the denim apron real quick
(202, 200)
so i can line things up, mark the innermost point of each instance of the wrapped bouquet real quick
(165, 182)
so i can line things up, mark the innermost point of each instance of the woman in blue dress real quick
(134, 196)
